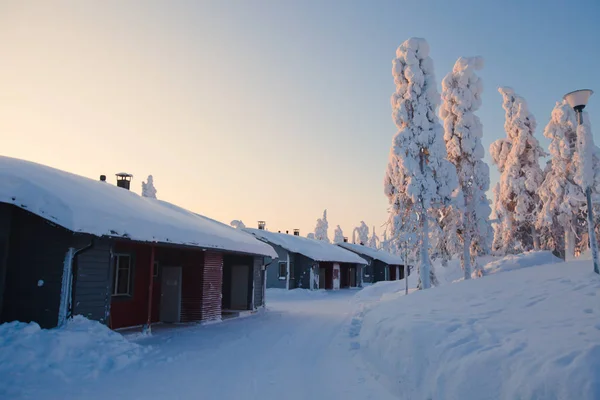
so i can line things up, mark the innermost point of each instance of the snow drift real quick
(525, 260)
(82, 349)
(531, 333)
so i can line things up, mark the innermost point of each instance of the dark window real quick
(122, 275)
(282, 270)
(156, 265)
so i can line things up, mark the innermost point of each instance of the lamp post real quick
(578, 100)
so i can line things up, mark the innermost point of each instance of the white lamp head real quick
(578, 99)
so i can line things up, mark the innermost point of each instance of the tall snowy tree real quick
(237, 224)
(311, 235)
(385, 243)
(461, 97)
(562, 216)
(419, 178)
(321, 228)
(148, 189)
(360, 234)
(373, 241)
(338, 235)
(517, 202)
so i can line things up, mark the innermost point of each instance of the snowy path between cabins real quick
(299, 349)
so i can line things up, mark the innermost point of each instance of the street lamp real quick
(578, 100)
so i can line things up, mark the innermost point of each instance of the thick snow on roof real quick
(373, 253)
(88, 206)
(317, 250)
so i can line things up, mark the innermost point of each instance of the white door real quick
(336, 276)
(170, 295)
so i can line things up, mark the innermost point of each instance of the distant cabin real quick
(382, 266)
(310, 263)
(70, 245)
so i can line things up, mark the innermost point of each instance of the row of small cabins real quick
(70, 245)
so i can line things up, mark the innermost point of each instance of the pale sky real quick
(264, 110)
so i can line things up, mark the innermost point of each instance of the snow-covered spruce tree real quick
(469, 222)
(373, 241)
(148, 189)
(360, 234)
(237, 224)
(562, 216)
(321, 228)
(311, 235)
(517, 204)
(338, 235)
(419, 179)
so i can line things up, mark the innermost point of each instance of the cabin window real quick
(282, 270)
(122, 275)
(155, 270)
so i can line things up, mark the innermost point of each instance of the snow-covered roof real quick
(373, 253)
(85, 205)
(317, 250)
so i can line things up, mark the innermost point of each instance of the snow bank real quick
(531, 333)
(386, 289)
(88, 206)
(519, 261)
(317, 250)
(82, 349)
(372, 253)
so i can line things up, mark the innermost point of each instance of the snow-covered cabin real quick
(309, 263)
(73, 245)
(382, 266)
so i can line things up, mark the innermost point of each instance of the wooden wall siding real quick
(258, 282)
(132, 310)
(212, 283)
(191, 290)
(92, 286)
(5, 217)
(34, 267)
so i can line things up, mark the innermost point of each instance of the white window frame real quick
(117, 257)
(284, 277)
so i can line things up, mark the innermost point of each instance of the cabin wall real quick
(273, 280)
(259, 281)
(33, 269)
(92, 278)
(5, 217)
(302, 267)
(379, 268)
(368, 270)
(212, 286)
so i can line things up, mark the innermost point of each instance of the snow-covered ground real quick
(532, 333)
(300, 349)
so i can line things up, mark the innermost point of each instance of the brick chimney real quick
(345, 239)
(296, 232)
(261, 225)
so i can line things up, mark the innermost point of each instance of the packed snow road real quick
(299, 349)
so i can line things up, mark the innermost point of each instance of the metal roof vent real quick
(124, 180)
